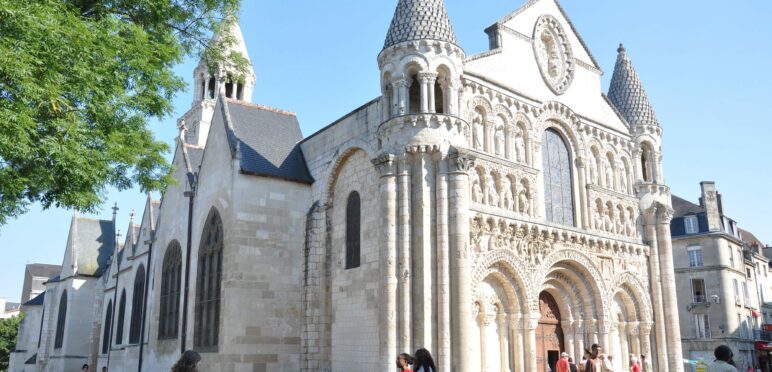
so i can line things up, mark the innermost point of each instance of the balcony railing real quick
(699, 299)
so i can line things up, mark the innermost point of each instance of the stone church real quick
(497, 209)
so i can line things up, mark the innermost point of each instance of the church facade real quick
(497, 209)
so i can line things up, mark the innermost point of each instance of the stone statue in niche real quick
(620, 222)
(479, 133)
(609, 174)
(520, 146)
(523, 201)
(499, 141)
(630, 224)
(506, 194)
(490, 189)
(623, 180)
(593, 170)
(608, 223)
(477, 193)
(598, 216)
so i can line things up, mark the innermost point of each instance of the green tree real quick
(79, 80)
(9, 328)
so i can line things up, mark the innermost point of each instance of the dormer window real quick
(691, 225)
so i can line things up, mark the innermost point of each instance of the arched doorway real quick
(549, 334)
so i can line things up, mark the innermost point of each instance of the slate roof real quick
(627, 94)
(420, 20)
(750, 239)
(44, 270)
(92, 245)
(32, 360)
(682, 207)
(37, 300)
(265, 140)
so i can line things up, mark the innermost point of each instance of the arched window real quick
(229, 88)
(207, 322)
(211, 87)
(240, 91)
(203, 87)
(353, 230)
(558, 188)
(439, 97)
(106, 328)
(171, 274)
(121, 317)
(137, 306)
(414, 95)
(60, 320)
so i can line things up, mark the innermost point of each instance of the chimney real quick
(710, 202)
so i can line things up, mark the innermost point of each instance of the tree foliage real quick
(9, 328)
(79, 80)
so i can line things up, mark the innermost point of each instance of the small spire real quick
(627, 94)
(131, 217)
(420, 20)
(115, 211)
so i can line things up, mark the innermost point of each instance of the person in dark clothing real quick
(423, 362)
(572, 365)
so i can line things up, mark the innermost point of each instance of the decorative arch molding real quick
(506, 264)
(559, 279)
(560, 117)
(565, 305)
(637, 290)
(580, 262)
(337, 165)
(480, 101)
(503, 111)
(567, 273)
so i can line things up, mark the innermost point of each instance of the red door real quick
(549, 334)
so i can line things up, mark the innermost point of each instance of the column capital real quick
(421, 149)
(427, 77)
(385, 163)
(531, 321)
(645, 328)
(664, 214)
(460, 161)
(399, 82)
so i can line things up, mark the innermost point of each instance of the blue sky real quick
(705, 64)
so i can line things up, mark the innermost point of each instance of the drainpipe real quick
(149, 243)
(191, 194)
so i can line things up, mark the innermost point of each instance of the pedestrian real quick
(609, 364)
(423, 362)
(404, 361)
(606, 364)
(645, 367)
(594, 363)
(188, 362)
(585, 358)
(572, 365)
(562, 365)
(634, 367)
(723, 361)
(85, 368)
(104, 369)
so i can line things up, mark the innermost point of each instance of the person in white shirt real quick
(723, 356)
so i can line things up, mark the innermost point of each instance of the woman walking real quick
(423, 361)
(404, 361)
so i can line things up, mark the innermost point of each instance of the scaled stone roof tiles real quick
(420, 20)
(627, 94)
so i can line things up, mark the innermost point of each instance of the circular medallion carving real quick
(553, 54)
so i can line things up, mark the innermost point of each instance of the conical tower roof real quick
(627, 94)
(232, 28)
(420, 20)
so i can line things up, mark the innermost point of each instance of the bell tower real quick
(225, 78)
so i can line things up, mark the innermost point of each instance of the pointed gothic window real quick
(353, 230)
(137, 306)
(207, 321)
(558, 187)
(121, 316)
(60, 320)
(106, 327)
(171, 275)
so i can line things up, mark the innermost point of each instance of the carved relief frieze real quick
(508, 187)
(614, 214)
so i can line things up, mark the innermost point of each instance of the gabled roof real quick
(420, 20)
(92, 244)
(627, 94)
(265, 140)
(37, 300)
(530, 3)
(682, 207)
(44, 270)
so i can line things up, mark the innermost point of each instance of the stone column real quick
(503, 342)
(516, 324)
(635, 338)
(656, 290)
(423, 79)
(488, 136)
(625, 349)
(670, 298)
(568, 334)
(531, 323)
(401, 88)
(404, 231)
(394, 110)
(482, 324)
(508, 142)
(584, 208)
(578, 341)
(645, 331)
(443, 265)
(432, 99)
(422, 187)
(604, 328)
(459, 165)
(388, 257)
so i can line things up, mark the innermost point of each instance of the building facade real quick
(497, 209)
(723, 276)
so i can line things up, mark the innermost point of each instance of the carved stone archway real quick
(549, 333)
